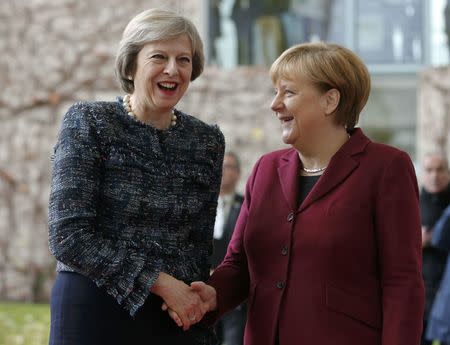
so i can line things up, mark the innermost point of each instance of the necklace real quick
(316, 170)
(312, 171)
(129, 110)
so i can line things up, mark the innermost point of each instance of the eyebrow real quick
(160, 51)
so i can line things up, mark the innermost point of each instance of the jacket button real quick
(284, 251)
(290, 217)
(280, 285)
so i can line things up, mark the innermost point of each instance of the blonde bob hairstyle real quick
(151, 26)
(328, 66)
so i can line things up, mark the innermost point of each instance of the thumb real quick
(198, 286)
(207, 293)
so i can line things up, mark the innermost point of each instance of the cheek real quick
(186, 73)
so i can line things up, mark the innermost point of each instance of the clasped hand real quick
(186, 306)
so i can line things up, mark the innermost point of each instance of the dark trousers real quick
(84, 314)
(230, 328)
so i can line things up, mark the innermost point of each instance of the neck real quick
(158, 119)
(316, 156)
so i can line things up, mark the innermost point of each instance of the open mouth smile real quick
(285, 119)
(167, 86)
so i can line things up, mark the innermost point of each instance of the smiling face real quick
(163, 72)
(301, 109)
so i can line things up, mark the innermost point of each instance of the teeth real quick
(168, 85)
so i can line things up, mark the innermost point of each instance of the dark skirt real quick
(84, 314)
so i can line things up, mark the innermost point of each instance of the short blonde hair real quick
(151, 26)
(328, 66)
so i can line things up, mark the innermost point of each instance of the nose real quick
(171, 67)
(276, 104)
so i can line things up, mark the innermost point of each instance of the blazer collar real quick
(340, 167)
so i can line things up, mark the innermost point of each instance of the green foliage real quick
(24, 324)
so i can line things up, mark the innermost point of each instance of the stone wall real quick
(55, 52)
(433, 121)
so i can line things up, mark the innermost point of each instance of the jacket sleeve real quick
(231, 279)
(74, 238)
(399, 252)
(211, 204)
(201, 265)
(441, 231)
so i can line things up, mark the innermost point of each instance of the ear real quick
(330, 101)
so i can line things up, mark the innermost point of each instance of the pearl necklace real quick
(129, 110)
(313, 171)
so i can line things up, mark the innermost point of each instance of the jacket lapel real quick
(288, 173)
(340, 167)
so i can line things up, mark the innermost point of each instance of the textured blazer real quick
(129, 201)
(342, 268)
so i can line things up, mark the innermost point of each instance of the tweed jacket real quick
(129, 201)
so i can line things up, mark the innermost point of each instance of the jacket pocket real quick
(365, 309)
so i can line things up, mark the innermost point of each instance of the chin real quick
(287, 140)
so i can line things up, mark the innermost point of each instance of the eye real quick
(158, 57)
(185, 59)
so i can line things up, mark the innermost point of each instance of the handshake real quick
(185, 304)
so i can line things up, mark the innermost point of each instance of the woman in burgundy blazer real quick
(327, 246)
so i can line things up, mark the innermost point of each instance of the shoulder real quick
(274, 157)
(374, 158)
(202, 130)
(386, 155)
(268, 163)
(391, 167)
(84, 113)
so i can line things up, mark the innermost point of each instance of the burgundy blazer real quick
(344, 267)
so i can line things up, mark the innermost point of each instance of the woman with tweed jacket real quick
(133, 198)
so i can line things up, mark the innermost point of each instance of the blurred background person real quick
(134, 196)
(230, 329)
(434, 198)
(438, 319)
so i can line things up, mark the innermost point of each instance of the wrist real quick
(213, 304)
(161, 284)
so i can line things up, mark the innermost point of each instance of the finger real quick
(201, 289)
(207, 293)
(164, 306)
(185, 321)
(175, 318)
(204, 309)
(194, 318)
(186, 326)
(198, 286)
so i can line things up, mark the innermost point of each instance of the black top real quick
(305, 186)
(129, 201)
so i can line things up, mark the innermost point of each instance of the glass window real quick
(390, 31)
(440, 29)
(257, 31)
(389, 35)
